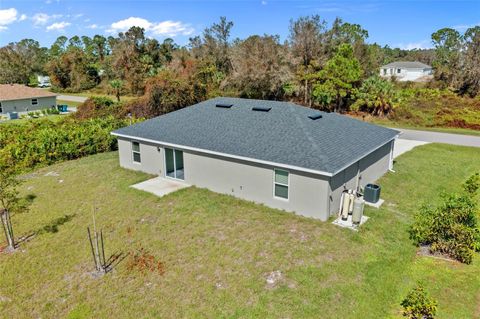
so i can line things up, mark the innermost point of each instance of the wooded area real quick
(329, 67)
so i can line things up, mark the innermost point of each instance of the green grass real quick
(217, 249)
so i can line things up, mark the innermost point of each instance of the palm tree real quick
(117, 86)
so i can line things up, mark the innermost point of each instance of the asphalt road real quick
(71, 98)
(437, 137)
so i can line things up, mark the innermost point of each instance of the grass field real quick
(218, 250)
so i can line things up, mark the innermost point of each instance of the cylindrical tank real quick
(345, 206)
(352, 198)
(358, 205)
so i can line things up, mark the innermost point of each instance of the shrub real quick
(451, 228)
(376, 96)
(418, 305)
(44, 142)
(97, 106)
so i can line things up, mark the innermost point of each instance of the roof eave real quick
(248, 159)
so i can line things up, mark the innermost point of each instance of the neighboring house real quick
(276, 153)
(21, 98)
(407, 71)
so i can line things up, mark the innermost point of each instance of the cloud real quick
(43, 18)
(171, 28)
(165, 28)
(58, 26)
(23, 17)
(423, 44)
(7, 16)
(264, 2)
(92, 26)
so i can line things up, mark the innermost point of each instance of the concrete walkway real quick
(403, 146)
(437, 137)
(160, 186)
(72, 98)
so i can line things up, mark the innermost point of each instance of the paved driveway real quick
(160, 186)
(437, 137)
(72, 98)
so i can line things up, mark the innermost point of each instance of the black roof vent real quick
(224, 105)
(261, 108)
(315, 116)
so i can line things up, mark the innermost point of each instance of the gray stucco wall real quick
(372, 167)
(310, 195)
(24, 104)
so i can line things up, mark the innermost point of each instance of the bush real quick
(451, 228)
(44, 142)
(98, 106)
(418, 305)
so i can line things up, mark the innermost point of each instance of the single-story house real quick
(21, 98)
(407, 71)
(277, 153)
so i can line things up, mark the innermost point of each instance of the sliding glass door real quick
(174, 163)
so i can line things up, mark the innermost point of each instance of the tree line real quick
(324, 66)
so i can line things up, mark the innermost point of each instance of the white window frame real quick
(287, 185)
(36, 102)
(136, 152)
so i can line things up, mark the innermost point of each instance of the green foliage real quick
(38, 143)
(452, 227)
(472, 184)
(376, 96)
(418, 304)
(98, 106)
(337, 80)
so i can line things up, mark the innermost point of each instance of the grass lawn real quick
(218, 250)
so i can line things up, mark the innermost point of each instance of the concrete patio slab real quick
(376, 205)
(348, 223)
(403, 146)
(160, 186)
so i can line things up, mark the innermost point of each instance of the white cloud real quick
(43, 18)
(164, 28)
(7, 16)
(3, 28)
(23, 17)
(423, 44)
(92, 26)
(171, 28)
(58, 26)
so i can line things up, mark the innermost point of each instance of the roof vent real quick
(261, 108)
(224, 105)
(315, 116)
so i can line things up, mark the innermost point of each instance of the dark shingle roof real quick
(407, 65)
(284, 135)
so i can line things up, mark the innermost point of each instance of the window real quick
(384, 71)
(1, 110)
(398, 70)
(280, 184)
(136, 152)
(34, 101)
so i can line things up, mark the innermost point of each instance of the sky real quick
(406, 24)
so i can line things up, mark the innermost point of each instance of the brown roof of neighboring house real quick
(18, 92)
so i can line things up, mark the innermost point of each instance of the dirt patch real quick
(461, 123)
(425, 251)
(274, 279)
